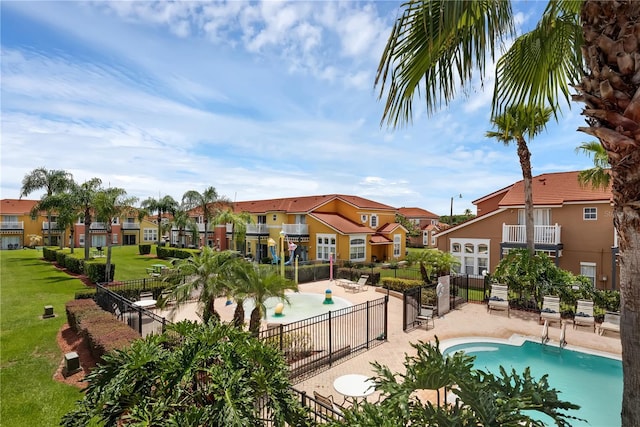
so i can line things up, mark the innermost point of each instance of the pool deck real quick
(468, 320)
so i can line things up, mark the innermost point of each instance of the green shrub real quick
(105, 333)
(61, 259)
(74, 265)
(144, 249)
(400, 285)
(96, 271)
(168, 252)
(77, 309)
(49, 253)
(88, 293)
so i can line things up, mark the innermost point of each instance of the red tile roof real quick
(341, 224)
(554, 189)
(305, 204)
(389, 227)
(417, 213)
(378, 239)
(16, 206)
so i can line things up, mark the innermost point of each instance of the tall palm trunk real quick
(87, 235)
(525, 163)
(611, 92)
(107, 272)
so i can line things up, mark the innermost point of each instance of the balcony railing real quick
(252, 229)
(130, 226)
(52, 224)
(542, 234)
(13, 225)
(98, 226)
(296, 229)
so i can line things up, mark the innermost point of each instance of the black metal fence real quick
(138, 318)
(464, 288)
(317, 343)
(319, 412)
(413, 299)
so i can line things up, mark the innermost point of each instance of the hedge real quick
(96, 271)
(102, 330)
(167, 252)
(400, 285)
(144, 249)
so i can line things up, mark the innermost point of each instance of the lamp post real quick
(451, 211)
(282, 253)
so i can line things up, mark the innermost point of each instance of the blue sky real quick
(260, 100)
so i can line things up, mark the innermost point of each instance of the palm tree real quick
(52, 181)
(66, 207)
(209, 204)
(598, 176)
(588, 45)
(182, 221)
(110, 204)
(263, 283)
(516, 123)
(84, 195)
(161, 206)
(238, 223)
(207, 276)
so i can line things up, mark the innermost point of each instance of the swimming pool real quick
(302, 305)
(594, 382)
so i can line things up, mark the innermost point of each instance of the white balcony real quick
(542, 234)
(296, 229)
(130, 226)
(98, 226)
(12, 225)
(251, 229)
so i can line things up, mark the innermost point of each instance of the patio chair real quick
(584, 314)
(360, 285)
(326, 405)
(550, 309)
(611, 323)
(499, 299)
(426, 315)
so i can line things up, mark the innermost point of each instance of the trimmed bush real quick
(61, 258)
(49, 253)
(77, 309)
(96, 271)
(400, 285)
(144, 249)
(165, 252)
(74, 265)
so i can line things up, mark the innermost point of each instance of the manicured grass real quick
(129, 263)
(30, 355)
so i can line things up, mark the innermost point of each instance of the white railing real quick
(542, 234)
(130, 226)
(98, 226)
(295, 229)
(11, 225)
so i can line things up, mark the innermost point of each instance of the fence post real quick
(330, 340)
(367, 325)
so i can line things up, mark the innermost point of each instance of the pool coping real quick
(519, 340)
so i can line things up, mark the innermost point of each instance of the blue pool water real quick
(301, 306)
(593, 382)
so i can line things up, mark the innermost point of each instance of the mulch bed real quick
(69, 341)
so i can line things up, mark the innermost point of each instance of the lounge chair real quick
(426, 316)
(327, 406)
(499, 299)
(550, 309)
(360, 285)
(611, 322)
(584, 314)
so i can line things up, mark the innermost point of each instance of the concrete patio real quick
(469, 320)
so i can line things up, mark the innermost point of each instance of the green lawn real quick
(30, 355)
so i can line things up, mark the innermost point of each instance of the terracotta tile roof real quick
(305, 204)
(554, 189)
(388, 227)
(341, 224)
(417, 213)
(16, 206)
(378, 239)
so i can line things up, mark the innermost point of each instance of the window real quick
(590, 213)
(114, 238)
(475, 259)
(588, 270)
(374, 221)
(262, 219)
(434, 241)
(100, 240)
(363, 218)
(540, 216)
(81, 240)
(150, 234)
(425, 238)
(275, 217)
(326, 244)
(357, 248)
(397, 245)
(115, 221)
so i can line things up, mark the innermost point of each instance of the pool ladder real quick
(545, 333)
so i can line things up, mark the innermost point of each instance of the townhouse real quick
(573, 225)
(427, 222)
